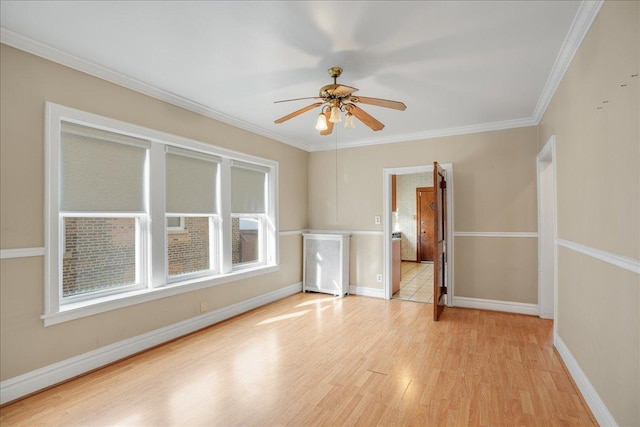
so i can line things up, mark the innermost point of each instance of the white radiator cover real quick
(326, 263)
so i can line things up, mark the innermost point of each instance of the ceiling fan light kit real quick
(321, 124)
(337, 98)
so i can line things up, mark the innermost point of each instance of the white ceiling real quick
(459, 66)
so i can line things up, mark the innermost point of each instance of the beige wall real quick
(26, 83)
(598, 191)
(495, 191)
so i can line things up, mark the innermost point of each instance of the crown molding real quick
(587, 13)
(585, 16)
(18, 41)
(438, 133)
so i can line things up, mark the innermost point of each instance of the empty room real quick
(262, 213)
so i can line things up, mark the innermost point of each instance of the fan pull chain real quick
(336, 139)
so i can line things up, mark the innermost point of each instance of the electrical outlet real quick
(377, 219)
(203, 307)
(379, 278)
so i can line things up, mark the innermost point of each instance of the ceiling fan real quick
(335, 98)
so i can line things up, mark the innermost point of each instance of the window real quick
(191, 189)
(248, 213)
(134, 214)
(175, 223)
(102, 203)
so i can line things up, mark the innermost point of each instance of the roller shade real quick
(248, 184)
(101, 171)
(191, 182)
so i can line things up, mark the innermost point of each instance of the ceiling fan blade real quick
(342, 90)
(329, 128)
(396, 105)
(298, 112)
(364, 117)
(297, 99)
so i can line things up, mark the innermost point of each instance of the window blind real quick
(191, 182)
(101, 171)
(248, 188)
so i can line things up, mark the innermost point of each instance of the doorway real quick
(425, 209)
(547, 232)
(448, 268)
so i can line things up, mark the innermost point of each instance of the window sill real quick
(78, 310)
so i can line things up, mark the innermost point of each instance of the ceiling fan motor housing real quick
(327, 91)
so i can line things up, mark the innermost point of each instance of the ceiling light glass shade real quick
(335, 115)
(321, 124)
(348, 121)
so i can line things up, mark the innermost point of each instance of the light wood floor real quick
(312, 359)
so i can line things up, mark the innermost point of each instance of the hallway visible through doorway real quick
(416, 282)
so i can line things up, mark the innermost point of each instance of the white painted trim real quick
(581, 23)
(156, 284)
(495, 234)
(320, 231)
(55, 373)
(496, 305)
(112, 302)
(591, 396)
(21, 253)
(292, 232)
(42, 50)
(387, 227)
(547, 156)
(437, 133)
(584, 18)
(621, 261)
(352, 232)
(366, 291)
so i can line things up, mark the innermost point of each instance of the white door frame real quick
(547, 194)
(387, 226)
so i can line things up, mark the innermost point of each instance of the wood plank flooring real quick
(313, 359)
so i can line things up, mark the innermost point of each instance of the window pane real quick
(101, 171)
(247, 189)
(175, 222)
(245, 239)
(188, 251)
(100, 254)
(191, 182)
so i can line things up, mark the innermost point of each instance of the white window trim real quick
(140, 254)
(155, 276)
(262, 241)
(178, 229)
(213, 269)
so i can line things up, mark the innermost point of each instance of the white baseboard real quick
(546, 315)
(367, 292)
(55, 373)
(496, 305)
(597, 406)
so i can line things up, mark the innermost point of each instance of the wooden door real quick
(425, 215)
(439, 239)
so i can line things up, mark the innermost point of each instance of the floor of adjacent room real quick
(317, 359)
(416, 282)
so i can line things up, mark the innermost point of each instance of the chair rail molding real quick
(621, 261)
(21, 253)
